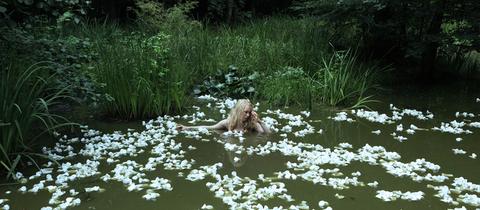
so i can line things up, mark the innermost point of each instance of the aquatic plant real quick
(261, 46)
(25, 101)
(289, 85)
(345, 81)
(229, 83)
(463, 65)
(134, 72)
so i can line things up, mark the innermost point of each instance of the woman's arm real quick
(262, 128)
(259, 125)
(219, 126)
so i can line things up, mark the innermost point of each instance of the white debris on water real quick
(459, 151)
(464, 114)
(151, 195)
(400, 138)
(452, 127)
(206, 206)
(200, 174)
(305, 113)
(93, 189)
(474, 124)
(207, 97)
(394, 195)
(323, 204)
(373, 184)
(309, 162)
(399, 127)
(372, 116)
(342, 116)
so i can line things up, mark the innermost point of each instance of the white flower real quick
(458, 151)
(322, 204)
(206, 206)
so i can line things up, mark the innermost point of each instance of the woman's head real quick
(241, 114)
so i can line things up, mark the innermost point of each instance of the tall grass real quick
(460, 64)
(345, 81)
(341, 81)
(134, 72)
(195, 52)
(269, 46)
(25, 99)
(259, 46)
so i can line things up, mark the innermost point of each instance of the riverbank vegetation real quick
(148, 58)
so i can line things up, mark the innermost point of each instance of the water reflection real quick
(239, 156)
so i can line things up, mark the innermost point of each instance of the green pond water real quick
(434, 146)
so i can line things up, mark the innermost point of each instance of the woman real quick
(241, 118)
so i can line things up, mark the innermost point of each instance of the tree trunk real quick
(230, 5)
(432, 42)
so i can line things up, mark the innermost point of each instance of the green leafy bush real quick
(62, 11)
(229, 83)
(66, 56)
(153, 16)
(289, 85)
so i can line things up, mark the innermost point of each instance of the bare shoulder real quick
(224, 122)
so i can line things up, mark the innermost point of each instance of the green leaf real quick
(28, 2)
(196, 91)
(4, 124)
(67, 14)
(41, 5)
(253, 76)
(3, 9)
(11, 170)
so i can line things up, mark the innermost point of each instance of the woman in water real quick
(241, 118)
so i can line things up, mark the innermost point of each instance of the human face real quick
(247, 113)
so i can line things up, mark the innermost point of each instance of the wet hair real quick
(235, 116)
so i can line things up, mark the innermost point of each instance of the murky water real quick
(434, 146)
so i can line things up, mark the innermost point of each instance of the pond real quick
(417, 150)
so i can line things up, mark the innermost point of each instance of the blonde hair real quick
(235, 119)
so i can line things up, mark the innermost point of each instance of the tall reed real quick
(196, 52)
(270, 46)
(259, 46)
(25, 99)
(134, 72)
(466, 65)
(345, 81)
